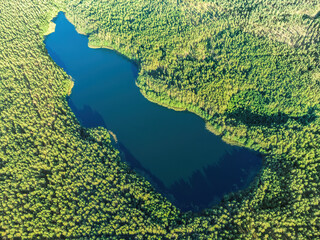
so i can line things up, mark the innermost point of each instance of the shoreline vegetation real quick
(178, 109)
(99, 47)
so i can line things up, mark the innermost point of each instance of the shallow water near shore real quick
(173, 150)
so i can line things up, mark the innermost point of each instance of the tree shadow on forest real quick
(253, 119)
(206, 187)
(87, 116)
(306, 16)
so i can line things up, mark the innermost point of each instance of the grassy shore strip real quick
(212, 129)
(70, 87)
(90, 45)
(226, 139)
(153, 100)
(51, 29)
(114, 136)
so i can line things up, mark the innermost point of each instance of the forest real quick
(249, 68)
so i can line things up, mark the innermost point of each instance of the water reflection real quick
(87, 116)
(204, 188)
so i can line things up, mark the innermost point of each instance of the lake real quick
(173, 150)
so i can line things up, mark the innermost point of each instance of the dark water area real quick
(173, 150)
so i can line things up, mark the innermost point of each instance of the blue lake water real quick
(173, 150)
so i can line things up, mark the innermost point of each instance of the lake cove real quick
(173, 150)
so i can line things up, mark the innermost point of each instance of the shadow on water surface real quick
(87, 116)
(136, 165)
(204, 188)
(56, 58)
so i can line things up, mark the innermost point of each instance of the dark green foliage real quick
(249, 107)
(250, 68)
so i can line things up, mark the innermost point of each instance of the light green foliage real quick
(249, 67)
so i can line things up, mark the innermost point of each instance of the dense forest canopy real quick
(250, 68)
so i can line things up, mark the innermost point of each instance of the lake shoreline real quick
(168, 148)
